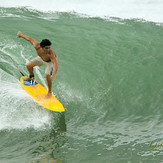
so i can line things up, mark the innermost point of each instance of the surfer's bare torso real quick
(47, 54)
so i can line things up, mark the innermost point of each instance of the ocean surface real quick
(110, 81)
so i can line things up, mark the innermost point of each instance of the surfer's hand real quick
(19, 34)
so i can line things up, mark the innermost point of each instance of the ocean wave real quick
(150, 10)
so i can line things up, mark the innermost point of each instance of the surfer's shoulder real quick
(37, 46)
(53, 53)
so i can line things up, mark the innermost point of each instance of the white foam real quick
(150, 10)
(17, 109)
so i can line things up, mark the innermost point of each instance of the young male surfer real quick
(46, 56)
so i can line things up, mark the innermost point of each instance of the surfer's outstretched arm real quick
(33, 42)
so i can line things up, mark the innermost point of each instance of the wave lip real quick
(150, 10)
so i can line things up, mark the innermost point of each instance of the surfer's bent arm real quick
(54, 61)
(33, 42)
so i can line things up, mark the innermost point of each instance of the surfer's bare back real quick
(46, 56)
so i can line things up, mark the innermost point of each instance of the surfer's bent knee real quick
(30, 65)
(47, 75)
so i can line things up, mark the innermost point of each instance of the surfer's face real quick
(46, 49)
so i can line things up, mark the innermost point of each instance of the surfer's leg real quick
(49, 84)
(48, 73)
(34, 62)
(30, 66)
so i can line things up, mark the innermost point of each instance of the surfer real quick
(46, 56)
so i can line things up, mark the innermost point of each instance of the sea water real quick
(109, 79)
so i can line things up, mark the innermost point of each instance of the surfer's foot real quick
(28, 78)
(49, 95)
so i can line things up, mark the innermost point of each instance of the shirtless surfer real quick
(46, 56)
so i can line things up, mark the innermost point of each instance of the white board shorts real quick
(49, 66)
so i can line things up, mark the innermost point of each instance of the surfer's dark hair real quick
(45, 42)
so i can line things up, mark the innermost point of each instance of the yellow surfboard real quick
(38, 93)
